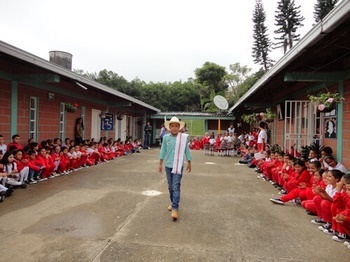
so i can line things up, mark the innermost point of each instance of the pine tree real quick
(322, 8)
(288, 19)
(261, 45)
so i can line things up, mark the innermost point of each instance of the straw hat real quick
(174, 119)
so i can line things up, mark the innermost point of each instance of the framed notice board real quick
(107, 123)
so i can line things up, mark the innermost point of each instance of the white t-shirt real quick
(339, 167)
(231, 130)
(262, 135)
(3, 147)
(330, 190)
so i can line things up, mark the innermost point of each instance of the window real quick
(62, 122)
(33, 118)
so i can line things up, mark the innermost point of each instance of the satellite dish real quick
(221, 102)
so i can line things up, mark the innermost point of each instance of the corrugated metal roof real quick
(42, 63)
(190, 114)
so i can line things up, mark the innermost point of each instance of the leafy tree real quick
(235, 78)
(112, 79)
(288, 19)
(157, 95)
(322, 8)
(91, 76)
(261, 45)
(244, 85)
(183, 97)
(211, 75)
(210, 78)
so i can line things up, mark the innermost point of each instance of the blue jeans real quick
(147, 141)
(174, 185)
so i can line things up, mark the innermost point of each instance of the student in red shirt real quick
(55, 155)
(320, 181)
(34, 166)
(341, 201)
(22, 167)
(295, 192)
(15, 143)
(342, 219)
(45, 164)
(64, 165)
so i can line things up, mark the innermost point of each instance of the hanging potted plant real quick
(325, 102)
(71, 108)
(120, 116)
(140, 121)
(268, 116)
(250, 119)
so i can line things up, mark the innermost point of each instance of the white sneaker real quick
(346, 243)
(32, 181)
(340, 238)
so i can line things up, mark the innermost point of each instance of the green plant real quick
(305, 150)
(267, 116)
(324, 101)
(71, 107)
(250, 119)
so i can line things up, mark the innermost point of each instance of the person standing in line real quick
(172, 152)
(262, 137)
(148, 135)
(231, 129)
(78, 131)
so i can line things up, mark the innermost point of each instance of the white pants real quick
(11, 182)
(23, 174)
(2, 188)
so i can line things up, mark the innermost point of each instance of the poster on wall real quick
(107, 123)
(330, 125)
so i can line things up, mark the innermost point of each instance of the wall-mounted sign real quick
(107, 123)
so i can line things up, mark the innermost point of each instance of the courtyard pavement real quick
(117, 211)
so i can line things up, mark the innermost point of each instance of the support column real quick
(340, 115)
(14, 107)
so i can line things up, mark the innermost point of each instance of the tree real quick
(322, 8)
(113, 80)
(288, 19)
(237, 75)
(261, 45)
(209, 79)
(211, 75)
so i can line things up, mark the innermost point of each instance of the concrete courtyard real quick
(117, 211)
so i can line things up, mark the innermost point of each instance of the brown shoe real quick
(170, 208)
(174, 214)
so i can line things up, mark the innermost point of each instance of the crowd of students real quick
(35, 162)
(226, 143)
(319, 184)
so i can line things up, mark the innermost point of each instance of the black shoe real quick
(2, 196)
(310, 213)
(9, 191)
(24, 185)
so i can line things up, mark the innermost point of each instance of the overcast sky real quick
(154, 40)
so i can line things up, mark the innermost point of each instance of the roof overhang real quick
(9, 52)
